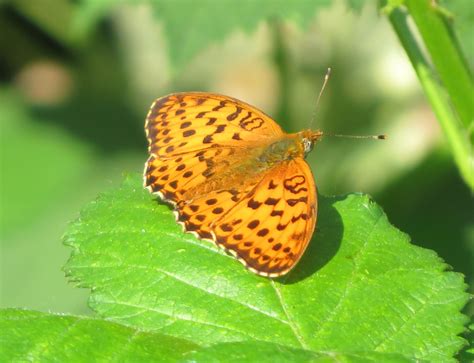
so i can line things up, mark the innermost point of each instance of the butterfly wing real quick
(172, 176)
(278, 220)
(267, 226)
(184, 122)
(192, 136)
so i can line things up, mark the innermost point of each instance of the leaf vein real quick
(61, 337)
(295, 329)
(188, 283)
(175, 316)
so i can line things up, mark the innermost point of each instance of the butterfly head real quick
(308, 138)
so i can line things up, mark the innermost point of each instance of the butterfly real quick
(233, 177)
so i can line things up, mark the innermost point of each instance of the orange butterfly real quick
(233, 177)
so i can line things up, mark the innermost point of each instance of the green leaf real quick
(27, 335)
(361, 286)
(446, 56)
(39, 337)
(269, 352)
(191, 26)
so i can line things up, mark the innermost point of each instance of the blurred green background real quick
(77, 78)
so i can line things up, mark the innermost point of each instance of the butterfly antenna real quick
(326, 79)
(375, 137)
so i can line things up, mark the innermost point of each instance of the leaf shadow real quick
(324, 244)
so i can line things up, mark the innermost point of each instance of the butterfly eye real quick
(308, 145)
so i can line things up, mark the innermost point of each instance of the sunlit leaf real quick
(361, 286)
(39, 337)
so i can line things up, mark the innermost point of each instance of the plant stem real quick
(453, 104)
(446, 55)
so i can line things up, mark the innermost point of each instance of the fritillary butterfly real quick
(234, 177)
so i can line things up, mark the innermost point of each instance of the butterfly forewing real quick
(185, 122)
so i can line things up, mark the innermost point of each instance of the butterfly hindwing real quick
(278, 220)
(267, 225)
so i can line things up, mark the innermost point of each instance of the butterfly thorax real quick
(289, 147)
(286, 148)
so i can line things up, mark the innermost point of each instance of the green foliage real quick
(215, 20)
(34, 336)
(447, 82)
(56, 22)
(361, 293)
(269, 352)
(463, 22)
(39, 337)
(30, 149)
(361, 286)
(191, 26)
(467, 355)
